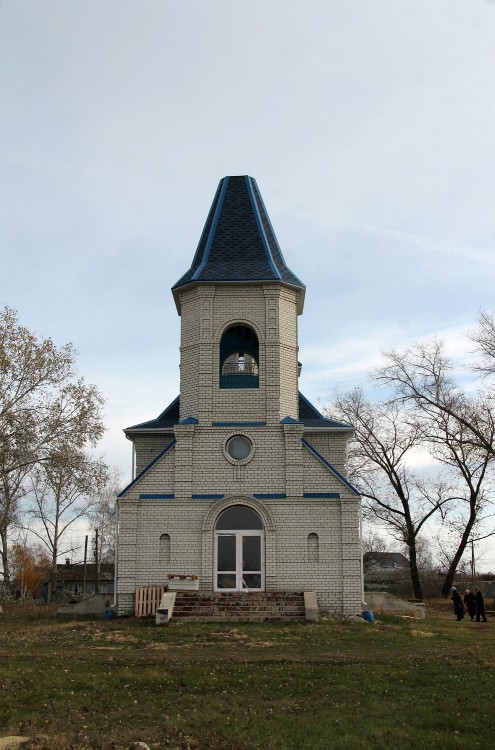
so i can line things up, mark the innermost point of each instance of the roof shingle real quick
(238, 243)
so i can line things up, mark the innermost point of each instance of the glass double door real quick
(239, 564)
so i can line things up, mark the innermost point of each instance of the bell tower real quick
(238, 304)
(240, 482)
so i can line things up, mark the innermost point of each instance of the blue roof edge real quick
(329, 466)
(261, 230)
(303, 286)
(213, 229)
(147, 468)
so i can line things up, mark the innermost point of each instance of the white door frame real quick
(239, 572)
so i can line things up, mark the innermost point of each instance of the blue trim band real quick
(334, 495)
(211, 236)
(269, 495)
(238, 424)
(330, 467)
(156, 496)
(150, 466)
(259, 223)
(207, 497)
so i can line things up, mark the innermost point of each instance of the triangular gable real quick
(147, 468)
(329, 467)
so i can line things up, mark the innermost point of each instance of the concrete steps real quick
(197, 606)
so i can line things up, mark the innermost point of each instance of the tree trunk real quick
(413, 565)
(410, 540)
(449, 578)
(5, 557)
(53, 574)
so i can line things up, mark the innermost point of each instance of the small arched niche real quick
(164, 549)
(239, 358)
(313, 548)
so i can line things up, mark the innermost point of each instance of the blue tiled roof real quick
(308, 415)
(238, 242)
(166, 420)
(311, 417)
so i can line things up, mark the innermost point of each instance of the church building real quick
(240, 483)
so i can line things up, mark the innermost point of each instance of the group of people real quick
(475, 604)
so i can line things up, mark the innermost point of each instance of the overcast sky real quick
(368, 124)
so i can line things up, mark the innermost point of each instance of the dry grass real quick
(99, 685)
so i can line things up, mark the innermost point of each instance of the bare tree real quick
(421, 377)
(103, 514)
(484, 338)
(424, 554)
(458, 427)
(42, 406)
(373, 546)
(395, 495)
(374, 542)
(446, 439)
(64, 490)
(12, 491)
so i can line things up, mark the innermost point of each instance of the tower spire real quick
(238, 244)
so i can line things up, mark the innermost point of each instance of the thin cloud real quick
(420, 240)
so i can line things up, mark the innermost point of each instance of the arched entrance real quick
(239, 550)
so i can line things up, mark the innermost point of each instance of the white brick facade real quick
(293, 478)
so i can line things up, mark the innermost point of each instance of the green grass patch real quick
(99, 685)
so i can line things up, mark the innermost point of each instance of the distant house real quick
(73, 583)
(384, 562)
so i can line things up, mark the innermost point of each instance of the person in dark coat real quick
(480, 605)
(458, 605)
(470, 602)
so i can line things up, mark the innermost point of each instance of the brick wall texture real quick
(310, 517)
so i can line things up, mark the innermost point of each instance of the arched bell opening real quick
(239, 358)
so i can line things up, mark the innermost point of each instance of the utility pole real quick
(97, 582)
(84, 568)
(473, 572)
(471, 542)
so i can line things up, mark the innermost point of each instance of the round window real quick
(239, 447)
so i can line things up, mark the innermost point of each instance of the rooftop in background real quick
(75, 572)
(385, 561)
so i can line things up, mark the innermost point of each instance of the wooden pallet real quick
(147, 600)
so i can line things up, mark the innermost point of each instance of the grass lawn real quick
(336, 684)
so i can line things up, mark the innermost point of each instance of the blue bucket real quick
(367, 615)
(109, 614)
